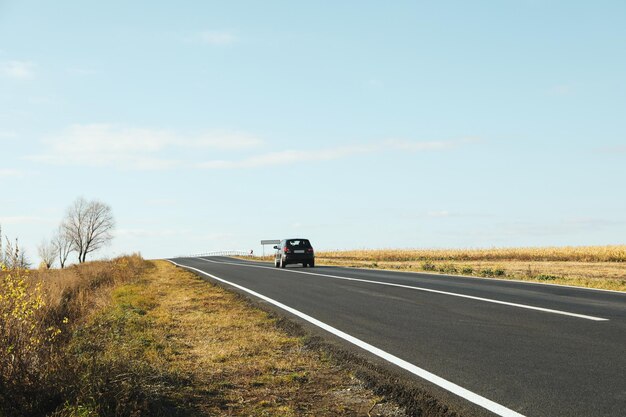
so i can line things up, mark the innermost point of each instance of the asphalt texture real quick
(536, 363)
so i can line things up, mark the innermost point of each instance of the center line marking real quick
(422, 373)
(390, 284)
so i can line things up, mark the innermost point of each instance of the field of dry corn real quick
(588, 266)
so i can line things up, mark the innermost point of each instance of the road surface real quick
(496, 347)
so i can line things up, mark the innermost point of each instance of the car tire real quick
(312, 264)
(304, 265)
(282, 263)
(275, 263)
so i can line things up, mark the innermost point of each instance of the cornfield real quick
(611, 253)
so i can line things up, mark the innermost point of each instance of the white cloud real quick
(374, 83)
(5, 134)
(212, 38)
(150, 233)
(80, 71)
(293, 156)
(106, 145)
(162, 202)
(38, 100)
(22, 220)
(561, 90)
(288, 157)
(10, 173)
(439, 145)
(19, 70)
(439, 214)
(612, 149)
(132, 148)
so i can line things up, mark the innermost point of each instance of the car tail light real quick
(309, 250)
(287, 250)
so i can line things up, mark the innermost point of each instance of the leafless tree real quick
(62, 246)
(47, 252)
(88, 224)
(1, 249)
(15, 257)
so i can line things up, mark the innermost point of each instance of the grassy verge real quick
(137, 338)
(602, 267)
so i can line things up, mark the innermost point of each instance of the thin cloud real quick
(80, 71)
(4, 134)
(286, 158)
(294, 156)
(440, 145)
(10, 173)
(613, 149)
(561, 90)
(438, 214)
(23, 220)
(105, 145)
(150, 233)
(18, 70)
(212, 38)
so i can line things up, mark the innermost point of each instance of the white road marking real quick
(390, 284)
(422, 373)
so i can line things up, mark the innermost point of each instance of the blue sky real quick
(213, 125)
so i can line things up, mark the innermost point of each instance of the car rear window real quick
(298, 243)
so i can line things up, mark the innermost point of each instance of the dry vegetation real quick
(131, 337)
(588, 266)
(40, 311)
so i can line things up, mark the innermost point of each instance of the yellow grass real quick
(611, 253)
(237, 353)
(39, 312)
(206, 351)
(145, 338)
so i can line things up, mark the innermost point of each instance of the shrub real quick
(448, 269)
(546, 277)
(487, 272)
(36, 369)
(428, 266)
(26, 344)
(468, 270)
(499, 272)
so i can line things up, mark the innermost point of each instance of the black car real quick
(294, 251)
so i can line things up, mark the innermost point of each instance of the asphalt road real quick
(530, 349)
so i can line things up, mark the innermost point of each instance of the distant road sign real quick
(270, 242)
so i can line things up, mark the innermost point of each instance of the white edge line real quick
(422, 373)
(390, 284)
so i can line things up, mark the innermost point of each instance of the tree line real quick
(86, 227)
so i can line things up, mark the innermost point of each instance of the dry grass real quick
(234, 358)
(40, 311)
(588, 266)
(612, 253)
(136, 338)
(76, 291)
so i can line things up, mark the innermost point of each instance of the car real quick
(294, 251)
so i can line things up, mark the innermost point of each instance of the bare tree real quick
(1, 249)
(47, 252)
(62, 246)
(88, 224)
(14, 256)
